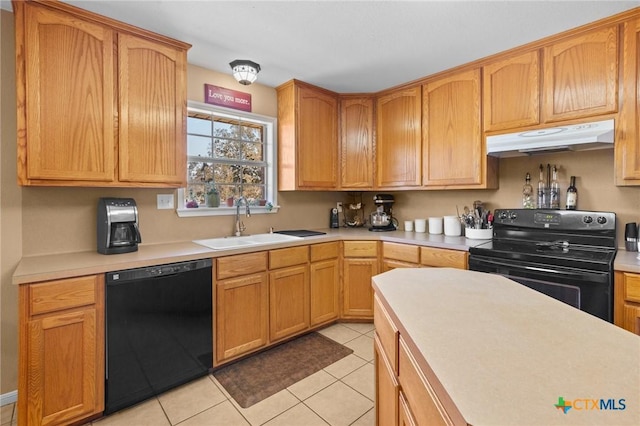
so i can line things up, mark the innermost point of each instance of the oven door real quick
(589, 291)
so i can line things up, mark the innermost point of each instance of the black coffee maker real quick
(118, 226)
(382, 219)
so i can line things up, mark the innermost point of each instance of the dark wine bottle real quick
(572, 195)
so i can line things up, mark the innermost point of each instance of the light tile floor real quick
(340, 394)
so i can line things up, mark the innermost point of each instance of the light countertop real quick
(64, 265)
(504, 353)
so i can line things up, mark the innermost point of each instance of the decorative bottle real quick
(542, 186)
(572, 195)
(527, 194)
(554, 194)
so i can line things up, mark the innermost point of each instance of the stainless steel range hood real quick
(575, 137)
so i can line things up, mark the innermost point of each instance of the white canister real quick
(421, 225)
(435, 225)
(452, 226)
(408, 225)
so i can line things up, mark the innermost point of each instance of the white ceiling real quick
(351, 46)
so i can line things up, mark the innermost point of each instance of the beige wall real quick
(36, 221)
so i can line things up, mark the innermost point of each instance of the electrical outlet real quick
(165, 201)
(339, 206)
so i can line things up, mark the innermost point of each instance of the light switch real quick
(165, 201)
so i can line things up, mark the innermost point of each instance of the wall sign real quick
(227, 98)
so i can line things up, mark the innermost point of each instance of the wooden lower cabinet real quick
(421, 400)
(387, 388)
(288, 302)
(444, 258)
(626, 308)
(324, 289)
(357, 293)
(405, 418)
(61, 351)
(359, 265)
(242, 315)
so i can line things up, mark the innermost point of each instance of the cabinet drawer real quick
(288, 257)
(632, 287)
(404, 252)
(360, 249)
(325, 251)
(422, 400)
(62, 294)
(241, 264)
(430, 256)
(387, 333)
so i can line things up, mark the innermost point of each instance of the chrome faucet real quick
(239, 225)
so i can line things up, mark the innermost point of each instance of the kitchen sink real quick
(245, 241)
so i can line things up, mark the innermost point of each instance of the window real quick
(229, 154)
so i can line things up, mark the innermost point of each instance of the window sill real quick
(222, 211)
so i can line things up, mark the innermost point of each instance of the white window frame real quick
(270, 146)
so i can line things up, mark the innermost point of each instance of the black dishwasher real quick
(159, 330)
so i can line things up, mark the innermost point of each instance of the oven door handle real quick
(558, 272)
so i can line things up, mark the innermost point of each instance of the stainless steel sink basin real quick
(224, 243)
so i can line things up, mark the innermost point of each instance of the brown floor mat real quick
(255, 378)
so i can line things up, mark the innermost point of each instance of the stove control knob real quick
(502, 216)
(513, 216)
(587, 219)
(601, 220)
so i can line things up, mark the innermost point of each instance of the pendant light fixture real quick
(246, 72)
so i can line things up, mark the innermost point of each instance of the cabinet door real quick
(242, 306)
(65, 376)
(387, 388)
(356, 143)
(66, 115)
(152, 89)
(357, 293)
(631, 318)
(627, 150)
(581, 76)
(324, 288)
(444, 258)
(398, 147)
(511, 92)
(317, 149)
(421, 399)
(388, 265)
(288, 301)
(453, 148)
(405, 418)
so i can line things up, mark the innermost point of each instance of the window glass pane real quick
(226, 191)
(254, 192)
(253, 174)
(199, 126)
(252, 134)
(252, 151)
(227, 173)
(198, 146)
(195, 172)
(227, 148)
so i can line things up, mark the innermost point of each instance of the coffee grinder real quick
(382, 219)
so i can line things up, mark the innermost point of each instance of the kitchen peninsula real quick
(480, 349)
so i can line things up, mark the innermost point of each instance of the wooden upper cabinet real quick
(511, 92)
(307, 137)
(100, 103)
(65, 97)
(581, 75)
(153, 102)
(627, 150)
(454, 153)
(398, 146)
(356, 143)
